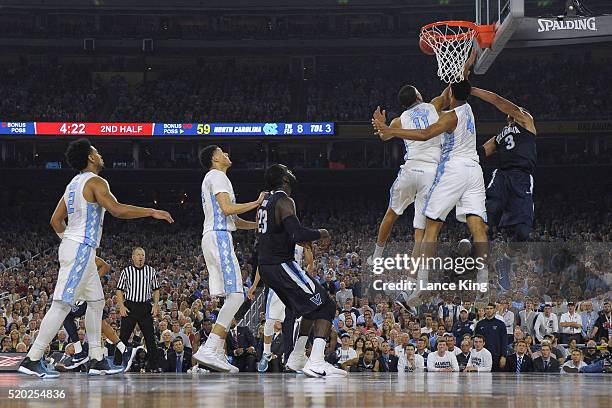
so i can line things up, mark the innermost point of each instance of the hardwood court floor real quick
(290, 390)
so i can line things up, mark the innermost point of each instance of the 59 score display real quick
(165, 129)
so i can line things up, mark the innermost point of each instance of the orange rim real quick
(474, 29)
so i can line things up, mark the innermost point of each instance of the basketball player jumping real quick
(275, 309)
(84, 202)
(417, 174)
(225, 279)
(458, 182)
(510, 191)
(279, 230)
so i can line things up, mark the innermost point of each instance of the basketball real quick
(424, 46)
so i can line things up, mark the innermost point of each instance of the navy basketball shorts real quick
(298, 291)
(510, 198)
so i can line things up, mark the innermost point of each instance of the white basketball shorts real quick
(412, 185)
(458, 183)
(275, 308)
(224, 276)
(78, 276)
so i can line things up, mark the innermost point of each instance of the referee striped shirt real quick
(137, 284)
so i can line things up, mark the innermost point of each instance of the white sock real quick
(121, 347)
(267, 348)
(378, 251)
(77, 347)
(93, 327)
(317, 354)
(213, 342)
(483, 276)
(300, 344)
(51, 323)
(423, 275)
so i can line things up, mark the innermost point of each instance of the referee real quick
(138, 284)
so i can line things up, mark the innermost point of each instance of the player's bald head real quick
(277, 175)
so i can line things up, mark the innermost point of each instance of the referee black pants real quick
(140, 312)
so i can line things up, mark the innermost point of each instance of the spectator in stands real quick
(495, 336)
(463, 325)
(546, 323)
(480, 358)
(570, 324)
(546, 362)
(410, 361)
(463, 358)
(588, 317)
(575, 364)
(240, 345)
(179, 358)
(519, 362)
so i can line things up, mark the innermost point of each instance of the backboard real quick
(507, 16)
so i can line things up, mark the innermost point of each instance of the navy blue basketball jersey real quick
(516, 148)
(273, 243)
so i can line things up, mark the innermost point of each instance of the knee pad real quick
(327, 311)
(269, 327)
(232, 303)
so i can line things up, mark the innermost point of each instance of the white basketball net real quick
(451, 44)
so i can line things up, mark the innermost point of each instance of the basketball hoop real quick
(451, 42)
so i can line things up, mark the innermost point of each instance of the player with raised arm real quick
(279, 230)
(417, 173)
(220, 219)
(459, 181)
(275, 309)
(510, 191)
(421, 158)
(84, 203)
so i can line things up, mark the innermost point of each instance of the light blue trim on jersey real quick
(301, 274)
(76, 273)
(92, 224)
(447, 148)
(224, 245)
(393, 187)
(268, 300)
(219, 220)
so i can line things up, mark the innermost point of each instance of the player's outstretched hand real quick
(380, 115)
(162, 215)
(251, 293)
(382, 130)
(261, 197)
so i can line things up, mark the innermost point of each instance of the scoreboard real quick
(164, 129)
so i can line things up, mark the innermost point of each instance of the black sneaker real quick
(77, 361)
(570, 369)
(36, 368)
(103, 368)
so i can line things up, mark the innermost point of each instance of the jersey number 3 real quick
(510, 142)
(262, 224)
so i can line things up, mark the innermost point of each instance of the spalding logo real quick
(554, 25)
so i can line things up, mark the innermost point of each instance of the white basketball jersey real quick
(216, 182)
(420, 117)
(85, 219)
(461, 143)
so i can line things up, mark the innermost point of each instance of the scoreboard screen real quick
(164, 129)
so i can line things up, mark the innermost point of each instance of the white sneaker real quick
(296, 361)
(210, 358)
(370, 260)
(322, 369)
(232, 368)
